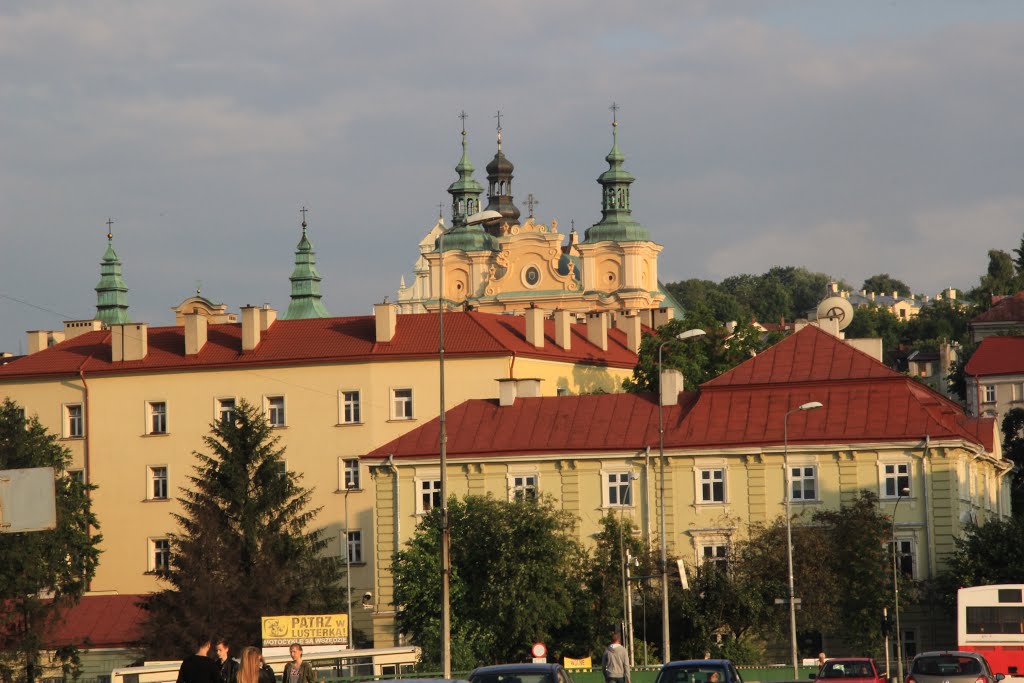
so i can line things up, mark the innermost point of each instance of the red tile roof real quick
(98, 621)
(324, 340)
(997, 356)
(1007, 309)
(864, 402)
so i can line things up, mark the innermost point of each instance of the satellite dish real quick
(836, 308)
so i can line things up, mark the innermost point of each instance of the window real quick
(804, 483)
(77, 475)
(717, 553)
(74, 422)
(157, 421)
(226, 409)
(159, 554)
(712, 485)
(904, 556)
(524, 486)
(401, 404)
(990, 393)
(354, 546)
(281, 467)
(896, 479)
(157, 483)
(275, 411)
(350, 408)
(350, 474)
(619, 489)
(430, 495)
(20, 412)
(910, 643)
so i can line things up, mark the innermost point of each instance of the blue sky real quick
(848, 137)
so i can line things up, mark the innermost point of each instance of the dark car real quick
(520, 673)
(851, 670)
(951, 667)
(699, 671)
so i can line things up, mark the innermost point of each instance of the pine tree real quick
(58, 562)
(243, 550)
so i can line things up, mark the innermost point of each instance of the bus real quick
(329, 665)
(990, 621)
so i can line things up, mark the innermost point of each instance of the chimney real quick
(730, 326)
(895, 294)
(662, 316)
(195, 333)
(250, 328)
(671, 385)
(535, 327)
(129, 341)
(37, 341)
(833, 287)
(863, 292)
(950, 293)
(630, 324)
(563, 329)
(268, 316)
(74, 328)
(597, 330)
(386, 317)
(509, 389)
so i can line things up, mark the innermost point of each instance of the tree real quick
(875, 321)
(883, 283)
(1000, 278)
(244, 549)
(939, 321)
(986, 554)
(1013, 449)
(701, 358)
(60, 562)
(518, 575)
(1018, 262)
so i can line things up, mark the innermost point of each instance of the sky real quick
(851, 138)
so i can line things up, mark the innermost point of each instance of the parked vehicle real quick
(520, 673)
(851, 670)
(951, 667)
(699, 671)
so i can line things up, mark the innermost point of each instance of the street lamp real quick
(446, 561)
(688, 334)
(348, 563)
(810, 405)
(896, 586)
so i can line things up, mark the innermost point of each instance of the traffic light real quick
(887, 625)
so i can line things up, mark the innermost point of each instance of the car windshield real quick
(947, 665)
(513, 677)
(845, 670)
(692, 673)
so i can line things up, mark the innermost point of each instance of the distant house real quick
(903, 307)
(1005, 317)
(995, 377)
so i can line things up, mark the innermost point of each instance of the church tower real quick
(305, 280)
(111, 292)
(499, 190)
(465, 192)
(616, 222)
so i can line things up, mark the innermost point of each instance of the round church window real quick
(531, 276)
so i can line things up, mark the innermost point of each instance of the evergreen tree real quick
(244, 549)
(60, 562)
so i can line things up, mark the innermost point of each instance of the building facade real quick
(995, 377)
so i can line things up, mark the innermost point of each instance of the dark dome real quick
(499, 165)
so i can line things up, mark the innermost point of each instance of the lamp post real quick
(665, 656)
(896, 587)
(810, 405)
(348, 566)
(446, 561)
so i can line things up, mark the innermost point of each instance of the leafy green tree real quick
(1018, 262)
(883, 283)
(875, 321)
(986, 554)
(1013, 449)
(518, 576)
(937, 322)
(60, 562)
(244, 549)
(1000, 278)
(957, 377)
(724, 306)
(806, 289)
(700, 358)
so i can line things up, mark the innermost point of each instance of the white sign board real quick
(27, 500)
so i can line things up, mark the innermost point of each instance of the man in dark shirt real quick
(228, 666)
(199, 668)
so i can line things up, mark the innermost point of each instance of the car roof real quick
(950, 653)
(848, 659)
(508, 668)
(698, 662)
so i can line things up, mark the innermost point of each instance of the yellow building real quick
(132, 403)
(724, 446)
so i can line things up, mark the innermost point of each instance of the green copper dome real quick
(111, 292)
(616, 224)
(305, 280)
(466, 190)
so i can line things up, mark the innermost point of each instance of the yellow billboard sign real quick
(584, 663)
(305, 629)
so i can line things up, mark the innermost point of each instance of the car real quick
(851, 670)
(951, 667)
(520, 673)
(699, 671)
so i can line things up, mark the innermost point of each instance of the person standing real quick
(615, 662)
(253, 669)
(228, 666)
(297, 671)
(198, 667)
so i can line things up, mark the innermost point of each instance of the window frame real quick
(699, 483)
(612, 478)
(269, 409)
(803, 477)
(347, 545)
(344, 405)
(906, 549)
(151, 416)
(988, 393)
(157, 546)
(152, 479)
(884, 477)
(521, 490)
(218, 407)
(394, 404)
(434, 492)
(71, 421)
(344, 468)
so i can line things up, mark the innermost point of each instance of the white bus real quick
(327, 665)
(990, 621)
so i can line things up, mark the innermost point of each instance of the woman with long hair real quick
(252, 669)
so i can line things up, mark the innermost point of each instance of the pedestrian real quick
(297, 671)
(615, 662)
(253, 669)
(198, 667)
(821, 660)
(228, 666)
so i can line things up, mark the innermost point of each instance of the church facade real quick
(511, 264)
